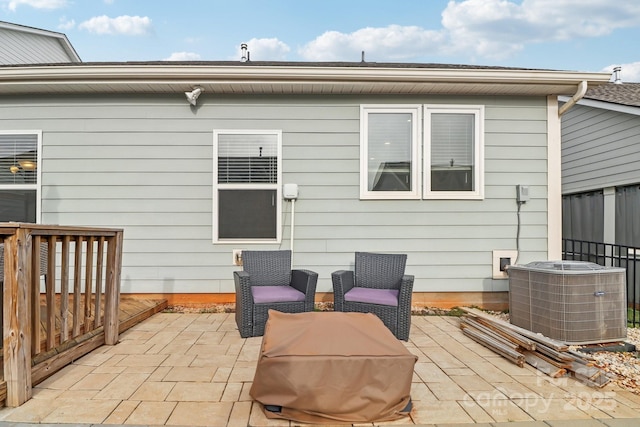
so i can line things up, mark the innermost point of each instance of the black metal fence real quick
(611, 255)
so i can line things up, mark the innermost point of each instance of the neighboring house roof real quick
(623, 93)
(26, 45)
(620, 97)
(330, 78)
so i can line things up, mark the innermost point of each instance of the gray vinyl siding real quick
(600, 148)
(17, 47)
(144, 163)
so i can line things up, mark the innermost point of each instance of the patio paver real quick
(194, 370)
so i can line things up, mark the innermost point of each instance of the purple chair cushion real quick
(267, 294)
(373, 296)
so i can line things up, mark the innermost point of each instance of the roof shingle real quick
(623, 94)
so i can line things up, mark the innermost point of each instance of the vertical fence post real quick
(112, 291)
(17, 326)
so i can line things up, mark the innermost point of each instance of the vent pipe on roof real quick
(245, 54)
(616, 75)
(582, 89)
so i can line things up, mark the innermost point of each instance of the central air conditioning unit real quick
(575, 302)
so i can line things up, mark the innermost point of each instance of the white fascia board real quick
(603, 105)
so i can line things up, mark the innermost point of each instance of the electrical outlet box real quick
(237, 257)
(502, 259)
(290, 191)
(522, 193)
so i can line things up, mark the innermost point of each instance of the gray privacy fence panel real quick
(628, 215)
(583, 216)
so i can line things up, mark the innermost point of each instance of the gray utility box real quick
(571, 301)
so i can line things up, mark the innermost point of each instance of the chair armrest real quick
(343, 281)
(242, 281)
(244, 303)
(406, 292)
(305, 281)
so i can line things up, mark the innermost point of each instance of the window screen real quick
(247, 214)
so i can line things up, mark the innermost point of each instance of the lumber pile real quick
(553, 358)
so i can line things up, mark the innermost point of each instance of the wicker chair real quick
(377, 286)
(268, 282)
(44, 251)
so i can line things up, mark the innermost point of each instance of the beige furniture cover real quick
(332, 367)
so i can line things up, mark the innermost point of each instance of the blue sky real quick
(576, 35)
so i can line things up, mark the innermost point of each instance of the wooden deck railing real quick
(81, 290)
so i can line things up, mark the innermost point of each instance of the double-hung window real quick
(246, 188)
(428, 151)
(19, 176)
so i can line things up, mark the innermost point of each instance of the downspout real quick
(554, 170)
(582, 89)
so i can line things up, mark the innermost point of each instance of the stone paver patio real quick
(195, 370)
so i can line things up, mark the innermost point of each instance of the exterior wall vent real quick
(575, 302)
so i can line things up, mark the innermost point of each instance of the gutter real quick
(582, 89)
(298, 78)
(169, 72)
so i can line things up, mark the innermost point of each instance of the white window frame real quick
(415, 111)
(38, 185)
(478, 152)
(250, 186)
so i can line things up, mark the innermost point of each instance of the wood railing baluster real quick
(34, 293)
(99, 284)
(64, 290)
(88, 282)
(50, 284)
(77, 285)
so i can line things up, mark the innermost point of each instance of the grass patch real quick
(631, 315)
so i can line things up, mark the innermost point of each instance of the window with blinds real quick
(247, 185)
(19, 176)
(452, 143)
(247, 158)
(453, 152)
(448, 137)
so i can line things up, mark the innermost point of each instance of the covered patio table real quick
(332, 367)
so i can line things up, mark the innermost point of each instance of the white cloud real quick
(36, 4)
(630, 72)
(183, 56)
(266, 50)
(66, 24)
(394, 42)
(126, 25)
(493, 29)
(498, 28)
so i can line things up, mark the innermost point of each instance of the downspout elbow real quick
(582, 89)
